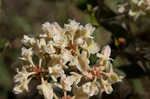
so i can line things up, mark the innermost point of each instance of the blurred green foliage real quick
(129, 39)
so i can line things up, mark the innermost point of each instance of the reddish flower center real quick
(38, 70)
(95, 71)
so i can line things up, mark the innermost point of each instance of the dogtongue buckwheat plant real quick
(136, 8)
(63, 61)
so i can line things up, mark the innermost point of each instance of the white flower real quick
(28, 40)
(52, 29)
(88, 31)
(106, 86)
(27, 55)
(66, 82)
(121, 9)
(56, 29)
(135, 1)
(90, 46)
(21, 86)
(138, 8)
(134, 14)
(22, 75)
(72, 27)
(112, 76)
(74, 61)
(141, 2)
(63, 55)
(55, 32)
(46, 89)
(22, 79)
(90, 88)
(46, 26)
(60, 41)
(77, 77)
(41, 43)
(55, 59)
(79, 41)
(79, 93)
(105, 58)
(105, 54)
(56, 71)
(49, 48)
(66, 56)
(83, 62)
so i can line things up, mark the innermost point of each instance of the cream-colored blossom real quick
(60, 41)
(22, 80)
(105, 58)
(46, 89)
(61, 58)
(52, 29)
(135, 1)
(135, 8)
(113, 77)
(56, 71)
(67, 81)
(83, 62)
(79, 41)
(77, 77)
(90, 88)
(41, 43)
(105, 54)
(79, 93)
(22, 75)
(136, 14)
(74, 61)
(49, 48)
(87, 31)
(56, 59)
(46, 27)
(28, 40)
(90, 46)
(106, 86)
(121, 8)
(22, 86)
(66, 56)
(26, 53)
(72, 27)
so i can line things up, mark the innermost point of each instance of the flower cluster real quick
(136, 8)
(59, 58)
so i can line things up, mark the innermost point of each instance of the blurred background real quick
(128, 38)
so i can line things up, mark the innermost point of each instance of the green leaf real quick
(89, 7)
(120, 61)
(102, 36)
(93, 58)
(4, 75)
(93, 19)
(137, 85)
(113, 4)
(116, 43)
(2, 44)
